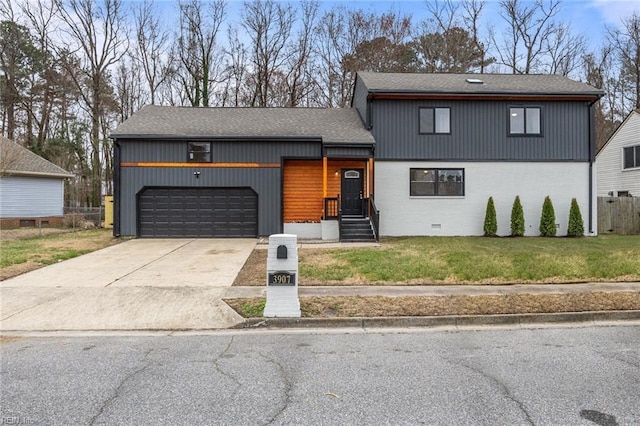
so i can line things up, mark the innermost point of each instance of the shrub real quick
(517, 218)
(576, 224)
(490, 220)
(547, 219)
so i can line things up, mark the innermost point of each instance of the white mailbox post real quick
(282, 277)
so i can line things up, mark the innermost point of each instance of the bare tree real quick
(348, 41)
(565, 50)
(471, 16)
(626, 44)
(331, 82)
(152, 50)
(599, 72)
(298, 77)
(234, 93)
(449, 40)
(98, 34)
(198, 55)
(530, 26)
(268, 25)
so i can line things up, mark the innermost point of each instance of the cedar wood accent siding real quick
(302, 186)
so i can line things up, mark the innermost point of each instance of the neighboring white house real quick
(31, 188)
(618, 162)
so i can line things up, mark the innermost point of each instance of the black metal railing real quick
(374, 215)
(339, 220)
(331, 208)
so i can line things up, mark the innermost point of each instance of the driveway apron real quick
(143, 284)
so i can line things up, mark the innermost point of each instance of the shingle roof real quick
(18, 160)
(333, 125)
(491, 84)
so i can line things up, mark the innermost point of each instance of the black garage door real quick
(198, 212)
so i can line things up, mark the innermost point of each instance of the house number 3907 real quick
(282, 278)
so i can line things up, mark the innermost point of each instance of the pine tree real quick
(517, 218)
(547, 219)
(576, 224)
(490, 220)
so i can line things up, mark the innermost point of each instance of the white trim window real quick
(631, 157)
(436, 183)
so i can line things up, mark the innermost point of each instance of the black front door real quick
(352, 192)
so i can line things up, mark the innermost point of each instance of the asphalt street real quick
(553, 375)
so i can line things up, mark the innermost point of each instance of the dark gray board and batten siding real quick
(359, 101)
(265, 181)
(221, 151)
(479, 132)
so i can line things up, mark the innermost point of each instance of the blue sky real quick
(587, 17)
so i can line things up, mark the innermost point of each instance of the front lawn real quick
(21, 255)
(464, 260)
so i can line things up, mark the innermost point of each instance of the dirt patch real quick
(380, 306)
(15, 270)
(254, 271)
(24, 233)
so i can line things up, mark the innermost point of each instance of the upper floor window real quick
(525, 121)
(631, 156)
(436, 182)
(435, 120)
(199, 152)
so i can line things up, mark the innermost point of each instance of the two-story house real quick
(428, 148)
(445, 143)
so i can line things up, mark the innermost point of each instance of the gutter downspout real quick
(369, 113)
(116, 188)
(592, 141)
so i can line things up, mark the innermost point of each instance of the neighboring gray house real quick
(31, 188)
(431, 149)
(445, 143)
(618, 162)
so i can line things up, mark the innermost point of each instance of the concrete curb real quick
(441, 321)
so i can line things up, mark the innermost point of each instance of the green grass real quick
(423, 260)
(53, 248)
(252, 308)
(16, 252)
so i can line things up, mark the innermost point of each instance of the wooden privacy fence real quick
(619, 215)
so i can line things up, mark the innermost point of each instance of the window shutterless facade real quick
(199, 152)
(435, 121)
(436, 182)
(631, 157)
(525, 121)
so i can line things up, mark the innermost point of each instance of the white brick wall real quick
(401, 214)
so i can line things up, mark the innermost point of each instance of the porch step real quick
(357, 230)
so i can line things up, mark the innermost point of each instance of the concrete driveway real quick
(145, 284)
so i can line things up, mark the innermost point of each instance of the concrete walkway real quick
(172, 284)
